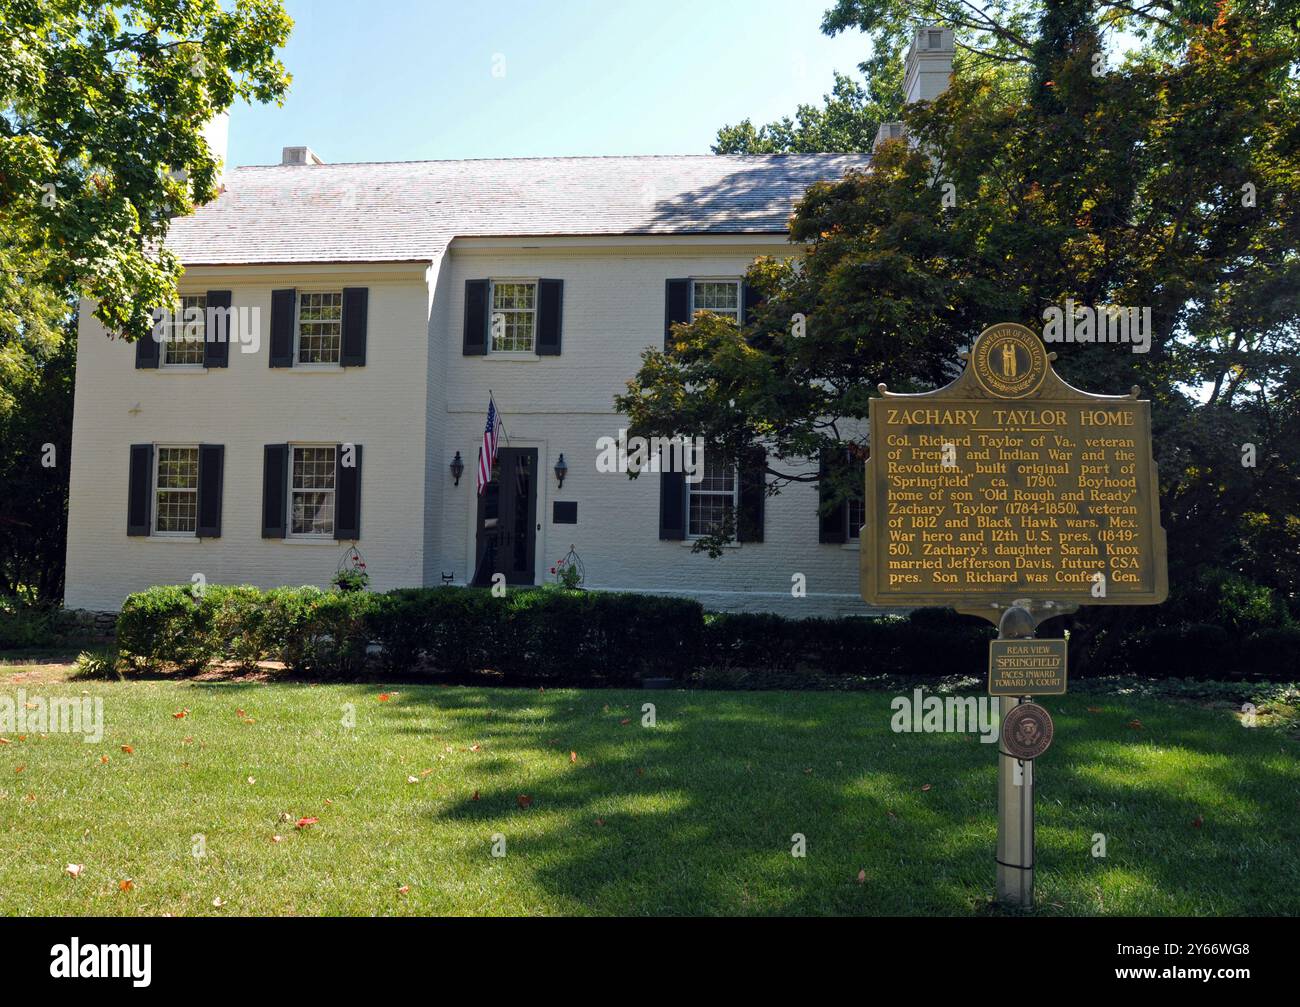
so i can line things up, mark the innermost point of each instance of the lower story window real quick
(311, 510)
(857, 516)
(176, 491)
(712, 500)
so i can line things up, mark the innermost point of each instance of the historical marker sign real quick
(1029, 667)
(1010, 484)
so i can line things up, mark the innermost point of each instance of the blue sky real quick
(387, 80)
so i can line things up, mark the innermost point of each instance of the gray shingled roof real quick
(404, 211)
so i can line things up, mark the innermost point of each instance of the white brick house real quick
(374, 286)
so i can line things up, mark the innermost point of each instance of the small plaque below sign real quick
(1027, 731)
(1027, 667)
(564, 512)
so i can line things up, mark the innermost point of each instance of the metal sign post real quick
(1009, 484)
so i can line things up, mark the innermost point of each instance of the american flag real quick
(487, 454)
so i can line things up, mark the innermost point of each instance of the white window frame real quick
(316, 365)
(852, 533)
(693, 490)
(154, 489)
(735, 281)
(333, 491)
(493, 311)
(178, 323)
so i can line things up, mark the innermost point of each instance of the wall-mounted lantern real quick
(561, 470)
(457, 468)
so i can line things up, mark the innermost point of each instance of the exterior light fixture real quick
(457, 468)
(561, 470)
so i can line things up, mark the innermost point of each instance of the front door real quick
(507, 519)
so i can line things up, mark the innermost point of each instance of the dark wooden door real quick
(507, 519)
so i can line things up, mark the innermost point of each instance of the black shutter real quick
(211, 472)
(217, 331)
(550, 312)
(140, 489)
(284, 304)
(476, 318)
(832, 521)
(751, 299)
(677, 307)
(753, 496)
(146, 351)
(275, 489)
(355, 306)
(347, 493)
(672, 506)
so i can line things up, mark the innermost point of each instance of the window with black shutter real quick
(355, 308)
(672, 506)
(218, 330)
(550, 315)
(677, 306)
(752, 504)
(275, 489)
(211, 477)
(284, 307)
(476, 318)
(347, 493)
(140, 489)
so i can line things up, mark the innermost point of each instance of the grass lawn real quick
(694, 816)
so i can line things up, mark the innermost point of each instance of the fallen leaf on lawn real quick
(1135, 724)
(128, 749)
(304, 822)
(31, 706)
(640, 771)
(125, 885)
(74, 870)
(239, 714)
(524, 800)
(384, 697)
(1094, 709)
(285, 816)
(277, 838)
(808, 771)
(925, 787)
(475, 797)
(606, 708)
(451, 748)
(425, 772)
(891, 814)
(475, 748)
(218, 902)
(862, 877)
(412, 779)
(328, 801)
(19, 769)
(187, 740)
(1197, 822)
(573, 757)
(403, 890)
(250, 720)
(251, 780)
(625, 721)
(180, 714)
(600, 821)
(103, 759)
(5, 741)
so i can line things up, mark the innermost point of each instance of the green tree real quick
(1170, 182)
(102, 111)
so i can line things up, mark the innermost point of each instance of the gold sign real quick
(1027, 731)
(1027, 667)
(1010, 484)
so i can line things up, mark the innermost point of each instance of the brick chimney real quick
(299, 155)
(925, 73)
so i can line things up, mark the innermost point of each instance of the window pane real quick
(188, 331)
(713, 498)
(721, 297)
(514, 317)
(313, 514)
(320, 327)
(175, 497)
(857, 517)
(313, 468)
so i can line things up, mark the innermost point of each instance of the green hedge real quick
(554, 636)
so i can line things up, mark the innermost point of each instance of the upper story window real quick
(320, 327)
(311, 491)
(514, 316)
(187, 332)
(712, 500)
(176, 490)
(722, 297)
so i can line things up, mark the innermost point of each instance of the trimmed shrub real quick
(238, 624)
(319, 632)
(23, 626)
(164, 626)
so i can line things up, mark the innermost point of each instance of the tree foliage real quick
(1170, 182)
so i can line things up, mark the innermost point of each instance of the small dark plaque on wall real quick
(565, 512)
